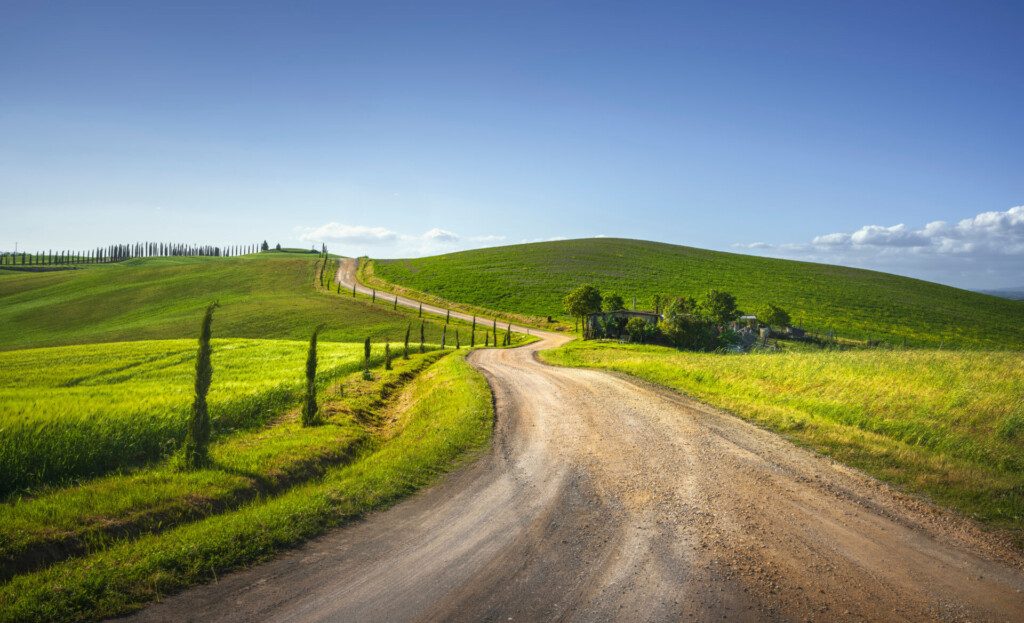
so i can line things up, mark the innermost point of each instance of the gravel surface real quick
(606, 499)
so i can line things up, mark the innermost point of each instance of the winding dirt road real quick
(604, 499)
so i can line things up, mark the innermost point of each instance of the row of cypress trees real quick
(195, 449)
(121, 252)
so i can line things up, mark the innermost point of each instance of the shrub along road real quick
(607, 499)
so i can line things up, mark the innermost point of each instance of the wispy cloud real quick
(361, 239)
(986, 250)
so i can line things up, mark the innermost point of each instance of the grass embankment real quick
(268, 295)
(946, 424)
(433, 424)
(532, 279)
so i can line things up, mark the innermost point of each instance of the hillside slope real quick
(533, 278)
(261, 296)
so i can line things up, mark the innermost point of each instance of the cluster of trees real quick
(121, 252)
(698, 324)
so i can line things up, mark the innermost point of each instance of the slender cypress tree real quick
(366, 359)
(422, 349)
(494, 327)
(421, 309)
(339, 288)
(396, 303)
(387, 355)
(447, 316)
(374, 299)
(444, 335)
(353, 290)
(458, 345)
(309, 406)
(472, 338)
(408, 328)
(508, 336)
(197, 436)
(487, 339)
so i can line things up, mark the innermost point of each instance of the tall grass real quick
(944, 423)
(76, 411)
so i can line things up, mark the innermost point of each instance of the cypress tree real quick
(444, 335)
(458, 345)
(472, 334)
(421, 309)
(309, 406)
(374, 299)
(494, 327)
(197, 436)
(447, 316)
(396, 303)
(508, 336)
(353, 290)
(387, 355)
(422, 349)
(366, 359)
(408, 328)
(339, 288)
(487, 340)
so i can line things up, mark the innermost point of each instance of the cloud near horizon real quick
(986, 250)
(365, 240)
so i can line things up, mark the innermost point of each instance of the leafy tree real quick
(637, 329)
(582, 301)
(309, 406)
(197, 435)
(613, 302)
(775, 316)
(718, 307)
(264, 246)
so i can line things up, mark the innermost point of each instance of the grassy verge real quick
(445, 415)
(60, 523)
(946, 424)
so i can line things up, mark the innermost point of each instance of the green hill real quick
(269, 295)
(861, 304)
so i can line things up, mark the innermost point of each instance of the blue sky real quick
(808, 129)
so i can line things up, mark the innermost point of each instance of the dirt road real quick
(607, 500)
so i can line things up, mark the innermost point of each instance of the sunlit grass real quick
(441, 418)
(532, 279)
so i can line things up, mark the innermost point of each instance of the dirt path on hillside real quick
(604, 499)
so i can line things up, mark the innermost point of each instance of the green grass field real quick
(76, 411)
(266, 489)
(946, 424)
(532, 279)
(269, 295)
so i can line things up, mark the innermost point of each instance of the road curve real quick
(604, 499)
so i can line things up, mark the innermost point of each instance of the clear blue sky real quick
(402, 129)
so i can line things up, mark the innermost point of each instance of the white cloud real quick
(338, 232)
(384, 242)
(986, 250)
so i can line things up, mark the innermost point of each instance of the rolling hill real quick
(269, 295)
(861, 304)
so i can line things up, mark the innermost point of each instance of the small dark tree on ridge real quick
(197, 436)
